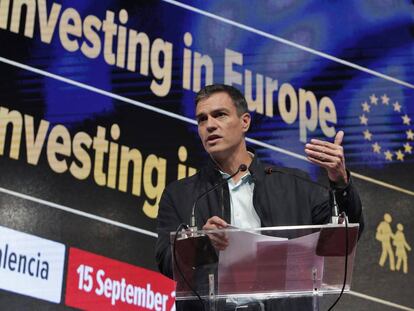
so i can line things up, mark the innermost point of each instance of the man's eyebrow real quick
(222, 109)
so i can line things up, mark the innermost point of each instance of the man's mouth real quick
(213, 138)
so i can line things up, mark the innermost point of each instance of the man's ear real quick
(246, 119)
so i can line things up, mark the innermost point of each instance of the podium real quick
(263, 263)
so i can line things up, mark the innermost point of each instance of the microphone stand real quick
(191, 239)
(335, 217)
(192, 230)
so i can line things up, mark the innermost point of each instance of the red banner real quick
(98, 283)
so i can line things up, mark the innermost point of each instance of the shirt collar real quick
(246, 178)
(256, 169)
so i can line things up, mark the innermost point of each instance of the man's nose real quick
(211, 124)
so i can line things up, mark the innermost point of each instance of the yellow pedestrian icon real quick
(389, 239)
(401, 247)
(384, 235)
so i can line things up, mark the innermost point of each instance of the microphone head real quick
(242, 168)
(269, 170)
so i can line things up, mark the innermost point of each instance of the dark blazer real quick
(283, 198)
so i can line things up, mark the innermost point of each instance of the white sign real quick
(30, 265)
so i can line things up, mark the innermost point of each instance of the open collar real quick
(256, 169)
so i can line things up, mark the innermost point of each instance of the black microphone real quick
(242, 168)
(335, 210)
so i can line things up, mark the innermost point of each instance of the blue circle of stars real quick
(389, 155)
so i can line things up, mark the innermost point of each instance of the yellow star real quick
(400, 155)
(366, 107)
(373, 99)
(406, 119)
(407, 148)
(376, 148)
(367, 135)
(363, 119)
(397, 106)
(388, 155)
(385, 99)
(410, 134)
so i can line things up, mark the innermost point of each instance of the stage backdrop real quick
(97, 117)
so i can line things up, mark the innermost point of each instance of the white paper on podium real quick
(242, 244)
(255, 263)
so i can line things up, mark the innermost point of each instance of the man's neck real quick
(231, 164)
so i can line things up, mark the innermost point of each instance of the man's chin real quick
(216, 152)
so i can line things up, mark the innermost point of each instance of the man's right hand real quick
(219, 240)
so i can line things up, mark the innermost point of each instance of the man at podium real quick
(257, 195)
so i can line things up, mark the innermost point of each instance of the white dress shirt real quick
(243, 214)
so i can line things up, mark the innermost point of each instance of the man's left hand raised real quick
(330, 156)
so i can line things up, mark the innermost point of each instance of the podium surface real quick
(264, 263)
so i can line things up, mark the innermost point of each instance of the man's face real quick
(220, 128)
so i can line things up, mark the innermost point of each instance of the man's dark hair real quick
(236, 96)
